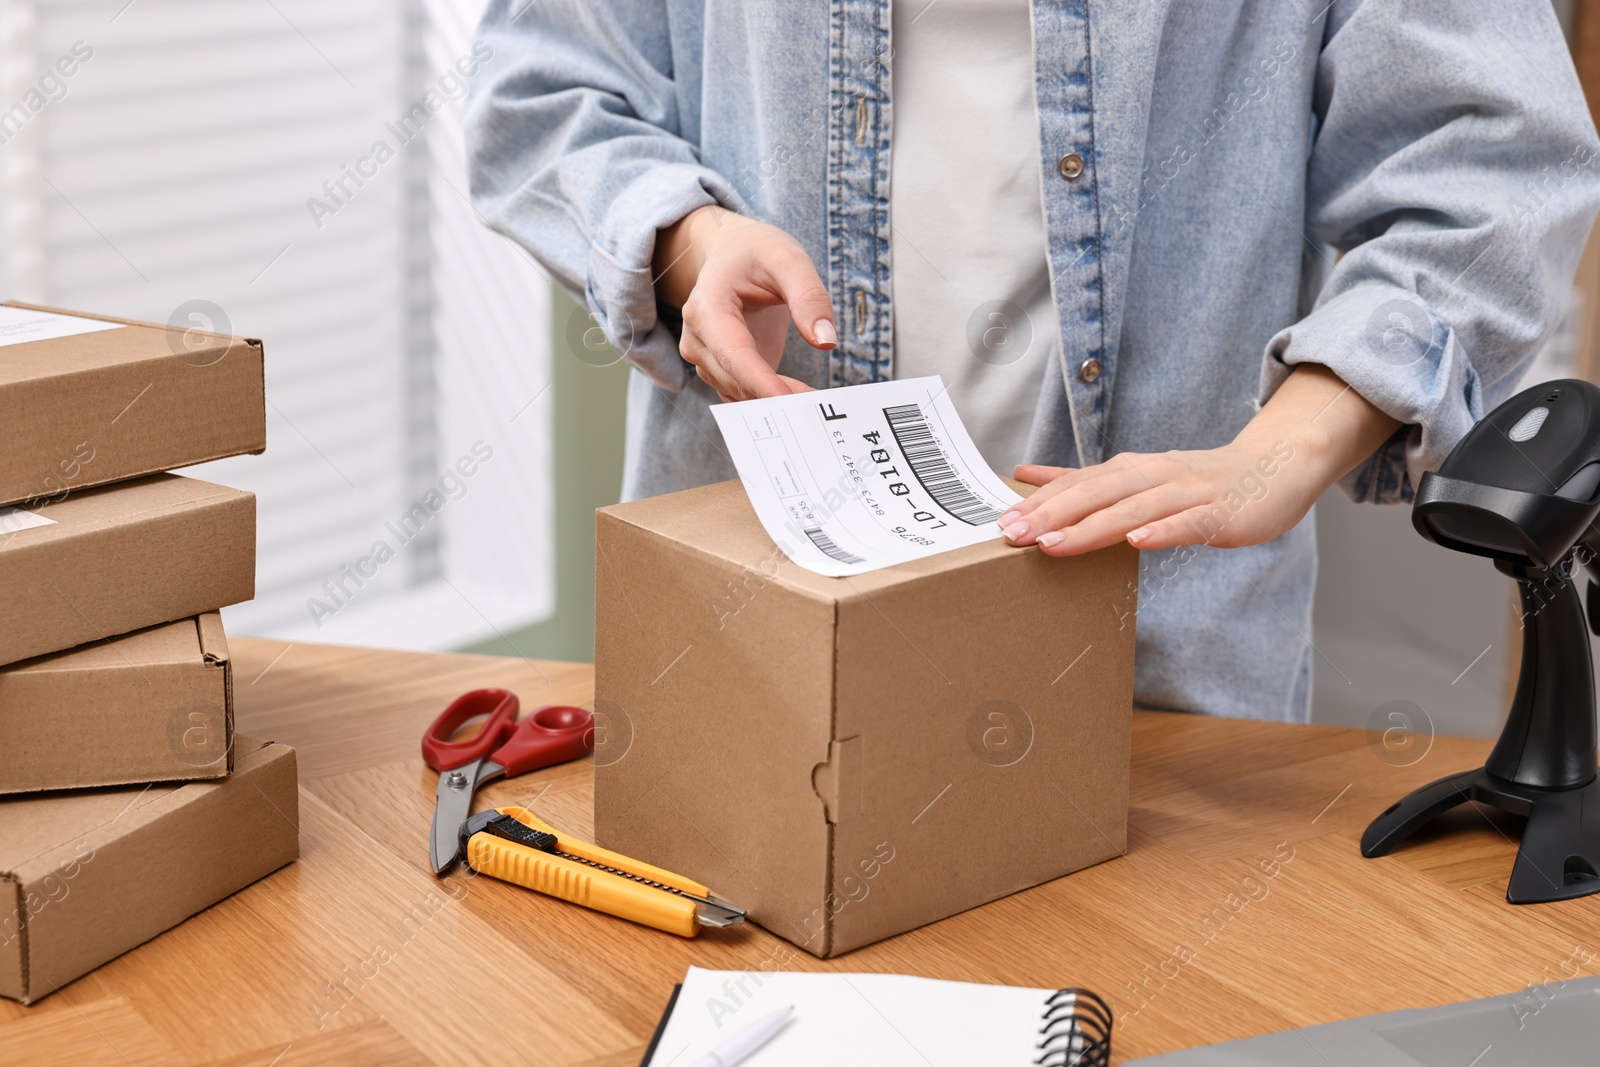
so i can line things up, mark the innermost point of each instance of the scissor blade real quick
(451, 806)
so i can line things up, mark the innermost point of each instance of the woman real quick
(1115, 228)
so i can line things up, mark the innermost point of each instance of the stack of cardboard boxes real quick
(126, 802)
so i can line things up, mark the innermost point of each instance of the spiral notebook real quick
(884, 1020)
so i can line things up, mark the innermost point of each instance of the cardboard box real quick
(109, 560)
(90, 408)
(153, 706)
(86, 876)
(851, 758)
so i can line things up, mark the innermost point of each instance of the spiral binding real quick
(1076, 1031)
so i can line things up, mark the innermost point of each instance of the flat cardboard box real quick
(153, 706)
(851, 758)
(94, 408)
(86, 876)
(111, 560)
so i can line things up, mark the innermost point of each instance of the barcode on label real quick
(828, 548)
(932, 466)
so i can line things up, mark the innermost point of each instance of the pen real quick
(738, 1047)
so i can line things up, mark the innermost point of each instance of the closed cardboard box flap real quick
(89, 408)
(155, 705)
(107, 561)
(89, 875)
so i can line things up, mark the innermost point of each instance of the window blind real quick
(223, 152)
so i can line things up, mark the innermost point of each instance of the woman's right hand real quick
(740, 282)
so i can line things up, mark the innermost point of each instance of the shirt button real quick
(1070, 166)
(1089, 371)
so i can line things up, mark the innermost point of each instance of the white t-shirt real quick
(971, 274)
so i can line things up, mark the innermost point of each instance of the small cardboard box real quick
(109, 560)
(88, 400)
(153, 706)
(851, 758)
(86, 876)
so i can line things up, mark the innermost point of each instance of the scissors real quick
(503, 748)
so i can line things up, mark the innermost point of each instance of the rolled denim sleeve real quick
(1455, 166)
(577, 151)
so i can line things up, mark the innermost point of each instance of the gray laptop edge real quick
(1554, 1025)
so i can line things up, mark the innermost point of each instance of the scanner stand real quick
(1543, 766)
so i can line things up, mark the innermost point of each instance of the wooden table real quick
(356, 954)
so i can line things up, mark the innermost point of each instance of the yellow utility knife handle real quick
(567, 880)
(569, 844)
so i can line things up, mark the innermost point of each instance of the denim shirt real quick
(1397, 191)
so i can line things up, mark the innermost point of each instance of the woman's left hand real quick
(1228, 497)
(1313, 430)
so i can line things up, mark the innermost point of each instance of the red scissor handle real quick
(552, 734)
(443, 754)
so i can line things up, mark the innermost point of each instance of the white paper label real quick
(15, 519)
(849, 480)
(21, 325)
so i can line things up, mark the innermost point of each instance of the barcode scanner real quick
(1523, 488)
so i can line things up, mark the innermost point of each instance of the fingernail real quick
(1135, 536)
(1016, 531)
(1008, 518)
(1051, 539)
(824, 331)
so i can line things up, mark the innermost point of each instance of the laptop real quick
(1554, 1025)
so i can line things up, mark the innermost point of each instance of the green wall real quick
(588, 392)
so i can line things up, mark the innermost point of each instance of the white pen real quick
(738, 1047)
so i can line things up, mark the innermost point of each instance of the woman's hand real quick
(1313, 430)
(1230, 496)
(740, 282)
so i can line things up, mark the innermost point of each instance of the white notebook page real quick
(882, 1020)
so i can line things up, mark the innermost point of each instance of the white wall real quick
(1398, 618)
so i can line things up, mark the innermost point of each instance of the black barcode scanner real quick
(1523, 488)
